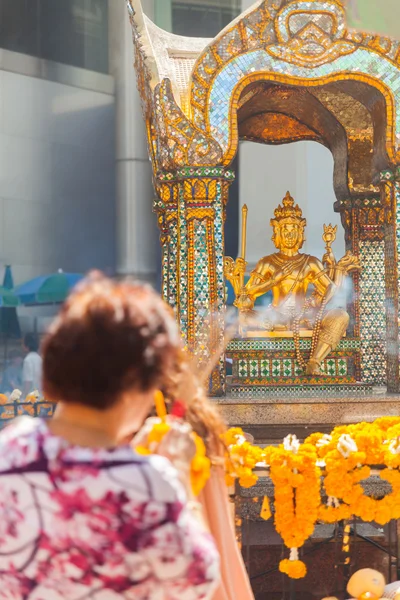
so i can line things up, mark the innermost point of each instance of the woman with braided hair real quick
(83, 515)
(184, 390)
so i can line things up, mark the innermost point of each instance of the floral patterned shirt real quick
(77, 524)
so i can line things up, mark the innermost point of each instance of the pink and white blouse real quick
(83, 524)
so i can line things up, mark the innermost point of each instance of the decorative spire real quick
(289, 210)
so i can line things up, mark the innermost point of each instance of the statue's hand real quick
(229, 266)
(244, 302)
(349, 263)
(328, 260)
(240, 266)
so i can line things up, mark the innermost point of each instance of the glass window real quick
(73, 32)
(202, 19)
(19, 26)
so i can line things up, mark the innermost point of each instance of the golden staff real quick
(329, 236)
(245, 210)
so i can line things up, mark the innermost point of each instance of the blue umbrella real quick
(8, 281)
(9, 324)
(48, 289)
(7, 296)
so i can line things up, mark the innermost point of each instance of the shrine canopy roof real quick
(171, 56)
(166, 55)
(177, 58)
(279, 57)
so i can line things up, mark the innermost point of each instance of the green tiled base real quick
(299, 391)
(277, 344)
(265, 362)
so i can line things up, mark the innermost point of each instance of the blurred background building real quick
(75, 184)
(75, 180)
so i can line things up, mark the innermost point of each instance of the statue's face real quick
(291, 235)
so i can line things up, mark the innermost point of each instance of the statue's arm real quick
(260, 282)
(325, 287)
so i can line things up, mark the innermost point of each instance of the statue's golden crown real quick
(288, 210)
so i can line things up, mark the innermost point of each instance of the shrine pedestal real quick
(271, 419)
(267, 368)
(269, 396)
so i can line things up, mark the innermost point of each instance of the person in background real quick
(83, 515)
(12, 379)
(32, 366)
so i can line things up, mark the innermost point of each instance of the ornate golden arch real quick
(193, 133)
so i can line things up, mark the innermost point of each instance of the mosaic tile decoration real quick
(287, 367)
(276, 344)
(187, 145)
(388, 192)
(172, 264)
(226, 82)
(276, 370)
(217, 283)
(372, 299)
(397, 192)
(299, 391)
(272, 362)
(189, 172)
(201, 300)
(219, 249)
(182, 271)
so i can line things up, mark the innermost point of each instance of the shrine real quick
(283, 71)
(310, 358)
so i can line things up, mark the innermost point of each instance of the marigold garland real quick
(295, 569)
(345, 458)
(296, 478)
(241, 458)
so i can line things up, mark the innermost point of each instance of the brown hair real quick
(108, 338)
(201, 413)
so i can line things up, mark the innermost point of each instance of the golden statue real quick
(289, 274)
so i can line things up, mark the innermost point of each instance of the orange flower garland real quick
(241, 458)
(296, 477)
(368, 444)
(345, 457)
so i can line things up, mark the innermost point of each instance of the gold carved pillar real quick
(363, 221)
(390, 196)
(191, 209)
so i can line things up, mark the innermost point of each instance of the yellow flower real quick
(348, 454)
(158, 432)
(295, 569)
(200, 466)
(3, 399)
(231, 436)
(229, 480)
(142, 450)
(247, 479)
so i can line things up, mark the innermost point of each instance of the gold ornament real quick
(288, 275)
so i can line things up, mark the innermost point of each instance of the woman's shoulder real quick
(27, 441)
(20, 443)
(167, 485)
(154, 476)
